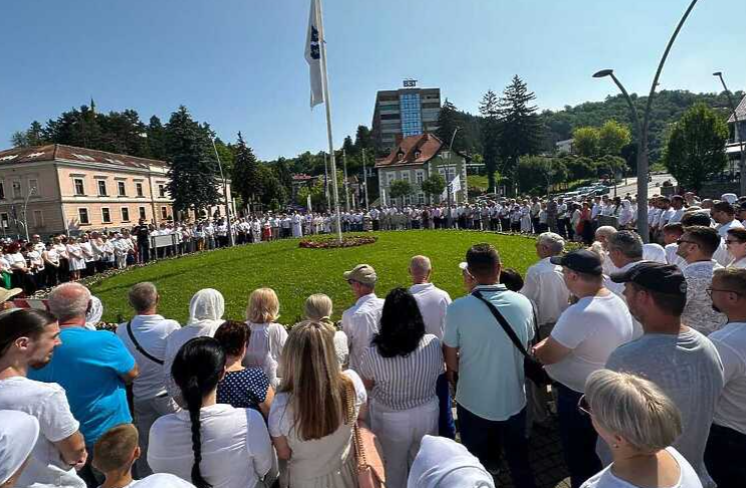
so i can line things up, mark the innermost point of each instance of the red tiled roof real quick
(57, 152)
(412, 150)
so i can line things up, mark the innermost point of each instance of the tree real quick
(434, 185)
(284, 176)
(612, 137)
(521, 128)
(316, 191)
(490, 134)
(273, 192)
(191, 164)
(33, 136)
(364, 140)
(537, 174)
(447, 124)
(586, 141)
(246, 176)
(400, 189)
(695, 151)
(156, 138)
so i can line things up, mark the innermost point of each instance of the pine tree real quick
(447, 123)
(246, 176)
(521, 128)
(489, 108)
(156, 138)
(364, 140)
(191, 164)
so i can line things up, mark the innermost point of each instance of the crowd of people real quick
(638, 350)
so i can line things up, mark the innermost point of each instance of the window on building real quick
(411, 114)
(162, 191)
(390, 177)
(405, 176)
(138, 188)
(122, 189)
(38, 219)
(102, 188)
(164, 212)
(2, 191)
(421, 198)
(105, 215)
(125, 214)
(419, 176)
(79, 188)
(17, 193)
(5, 220)
(33, 187)
(83, 216)
(143, 213)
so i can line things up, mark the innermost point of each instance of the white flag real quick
(313, 53)
(308, 203)
(456, 184)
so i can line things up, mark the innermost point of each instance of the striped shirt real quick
(405, 382)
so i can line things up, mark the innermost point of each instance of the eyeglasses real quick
(681, 241)
(584, 406)
(728, 242)
(711, 290)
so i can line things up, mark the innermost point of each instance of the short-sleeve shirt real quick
(48, 403)
(405, 382)
(88, 365)
(244, 389)
(730, 342)
(491, 379)
(607, 479)
(593, 327)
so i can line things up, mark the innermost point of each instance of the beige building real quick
(61, 188)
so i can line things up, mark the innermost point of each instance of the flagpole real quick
(328, 104)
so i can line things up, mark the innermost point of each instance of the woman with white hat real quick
(18, 434)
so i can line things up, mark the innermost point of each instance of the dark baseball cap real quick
(657, 277)
(582, 261)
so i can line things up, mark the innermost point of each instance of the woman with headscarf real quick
(206, 311)
(625, 215)
(94, 314)
(18, 434)
(444, 463)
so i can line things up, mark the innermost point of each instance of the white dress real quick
(75, 255)
(265, 348)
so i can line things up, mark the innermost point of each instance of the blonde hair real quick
(633, 408)
(318, 307)
(264, 306)
(113, 450)
(318, 390)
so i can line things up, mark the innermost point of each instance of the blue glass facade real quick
(411, 115)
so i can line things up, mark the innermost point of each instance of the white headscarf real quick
(162, 480)
(206, 309)
(443, 463)
(94, 314)
(18, 434)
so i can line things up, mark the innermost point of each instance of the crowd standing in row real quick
(644, 346)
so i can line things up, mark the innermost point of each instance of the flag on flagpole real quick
(456, 184)
(313, 54)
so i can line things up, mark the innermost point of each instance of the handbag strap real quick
(139, 347)
(356, 437)
(503, 323)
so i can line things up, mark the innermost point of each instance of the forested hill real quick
(668, 106)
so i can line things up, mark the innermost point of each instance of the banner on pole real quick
(313, 54)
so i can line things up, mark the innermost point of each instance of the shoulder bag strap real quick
(139, 347)
(503, 323)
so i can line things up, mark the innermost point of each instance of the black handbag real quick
(532, 368)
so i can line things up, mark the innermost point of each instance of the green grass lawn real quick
(296, 273)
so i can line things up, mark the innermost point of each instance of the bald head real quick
(420, 269)
(69, 301)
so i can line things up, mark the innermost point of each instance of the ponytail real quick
(196, 370)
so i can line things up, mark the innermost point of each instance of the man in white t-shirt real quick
(727, 441)
(361, 321)
(27, 341)
(581, 342)
(145, 338)
(433, 304)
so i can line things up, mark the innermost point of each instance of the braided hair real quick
(197, 369)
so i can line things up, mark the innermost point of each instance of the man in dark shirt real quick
(143, 241)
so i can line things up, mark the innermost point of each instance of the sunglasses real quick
(584, 406)
(711, 290)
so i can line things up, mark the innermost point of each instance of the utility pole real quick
(346, 184)
(365, 184)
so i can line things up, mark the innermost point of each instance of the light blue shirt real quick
(89, 365)
(491, 380)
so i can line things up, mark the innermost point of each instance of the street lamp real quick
(642, 129)
(737, 133)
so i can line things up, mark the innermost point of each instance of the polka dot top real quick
(244, 389)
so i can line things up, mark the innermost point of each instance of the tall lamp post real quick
(642, 129)
(225, 194)
(737, 134)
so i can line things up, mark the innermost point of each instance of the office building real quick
(408, 111)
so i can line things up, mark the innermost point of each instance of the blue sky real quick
(238, 64)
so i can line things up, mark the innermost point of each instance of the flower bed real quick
(333, 242)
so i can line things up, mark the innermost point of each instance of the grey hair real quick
(69, 301)
(143, 296)
(318, 307)
(634, 409)
(628, 243)
(606, 231)
(420, 265)
(554, 242)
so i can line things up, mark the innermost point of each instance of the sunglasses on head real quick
(584, 406)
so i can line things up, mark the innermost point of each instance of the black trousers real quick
(724, 457)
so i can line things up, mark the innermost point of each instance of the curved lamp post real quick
(737, 133)
(642, 129)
